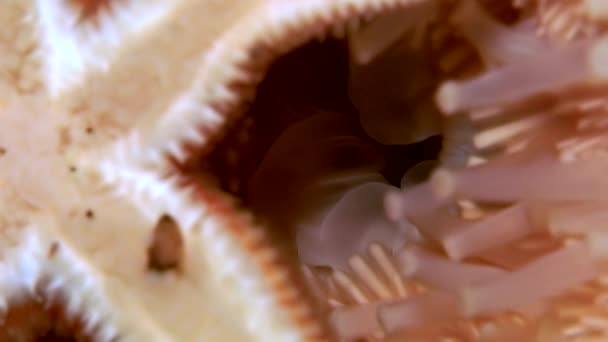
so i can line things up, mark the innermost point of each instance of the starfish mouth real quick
(46, 317)
(434, 170)
(304, 86)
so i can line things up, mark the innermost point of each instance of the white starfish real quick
(96, 97)
(102, 237)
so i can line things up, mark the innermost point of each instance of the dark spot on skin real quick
(53, 249)
(89, 130)
(2, 151)
(89, 214)
(73, 169)
(165, 251)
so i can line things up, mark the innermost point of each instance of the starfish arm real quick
(40, 264)
(149, 73)
(79, 37)
(232, 270)
(146, 95)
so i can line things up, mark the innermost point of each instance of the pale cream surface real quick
(143, 79)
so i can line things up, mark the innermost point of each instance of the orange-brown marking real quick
(90, 9)
(41, 320)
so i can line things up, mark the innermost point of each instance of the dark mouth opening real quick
(316, 78)
(318, 148)
(305, 82)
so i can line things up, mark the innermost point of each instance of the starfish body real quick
(97, 100)
(110, 230)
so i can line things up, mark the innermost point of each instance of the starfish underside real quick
(105, 104)
(96, 95)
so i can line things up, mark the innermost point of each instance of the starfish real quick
(136, 115)
(103, 98)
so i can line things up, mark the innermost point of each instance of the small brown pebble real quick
(166, 248)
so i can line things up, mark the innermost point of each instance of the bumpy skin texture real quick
(97, 99)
